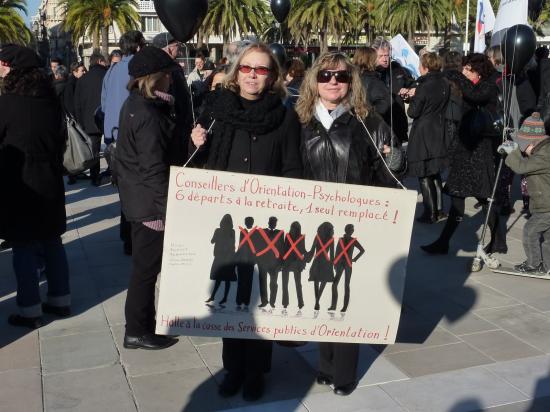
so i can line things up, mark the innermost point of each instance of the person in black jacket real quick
(378, 95)
(77, 71)
(472, 160)
(32, 210)
(87, 98)
(339, 144)
(143, 147)
(396, 78)
(251, 132)
(427, 151)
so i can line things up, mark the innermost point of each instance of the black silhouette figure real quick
(322, 253)
(246, 253)
(343, 264)
(294, 251)
(268, 256)
(223, 267)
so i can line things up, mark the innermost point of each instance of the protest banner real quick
(250, 256)
(403, 53)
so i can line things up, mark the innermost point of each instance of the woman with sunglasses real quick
(251, 132)
(339, 143)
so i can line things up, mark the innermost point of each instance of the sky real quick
(32, 8)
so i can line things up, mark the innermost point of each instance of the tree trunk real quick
(323, 43)
(105, 41)
(95, 41)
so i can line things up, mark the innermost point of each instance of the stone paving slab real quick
(500, 345)
(180, 356)
(21, 353)
(522, 321)
(86, 316)
(21, 390)
(437, 359)
(368, 399)
(190, 390)
(79, 351)
(531, 375)
(90, 390)
(113, 305)
(534, 405)
(290, 405)
(457, 391)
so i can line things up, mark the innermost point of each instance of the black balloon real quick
(280, 9)
(534, 8)
(279, 52)
(182, 18)
(518, 47)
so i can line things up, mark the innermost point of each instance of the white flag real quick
(485, 22)
(510, 13)
(402, 52)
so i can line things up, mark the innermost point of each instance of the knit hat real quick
(151, 60)
(19, 57)
(531, 132)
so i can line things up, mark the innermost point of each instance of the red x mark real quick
(324, 247)
(270, 243)
(345, 248)
(293, 247)
(247, 238)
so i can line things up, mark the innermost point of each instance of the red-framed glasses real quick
(259, 70)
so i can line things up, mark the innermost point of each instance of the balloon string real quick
(197, 149)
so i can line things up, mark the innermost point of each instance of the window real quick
(150, 24)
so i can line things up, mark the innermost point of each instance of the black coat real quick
(143, 147)
(275, 153)
(345, 153)
(68, 95)
(378, 95)
(400, 78)
(31, 168)
(87, 98)
(427, 150)
(183, 118)
(472, 159)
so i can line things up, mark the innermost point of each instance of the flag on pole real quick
(485, 22)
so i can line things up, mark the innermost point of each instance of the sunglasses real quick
(341, 76)
(260, 70)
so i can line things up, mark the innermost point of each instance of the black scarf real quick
(232, 113)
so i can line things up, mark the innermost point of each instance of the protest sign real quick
(403, 53)
(250, 256)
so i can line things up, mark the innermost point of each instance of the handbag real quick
(78, 155)
(110, 157)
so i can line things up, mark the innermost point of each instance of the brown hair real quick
(309, 92)
(494, 53)
(147, 85)
(431, 61)
(365, 58)
(297, 68)
(276, 85)
(452, 60)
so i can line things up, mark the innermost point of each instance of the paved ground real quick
(467, 342)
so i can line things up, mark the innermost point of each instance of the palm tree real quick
(12, 25)
(408, 16)
(227, 18)
(93, 17)
(323, 17)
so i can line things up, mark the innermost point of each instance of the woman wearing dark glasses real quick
(252, 132)
(340, 136)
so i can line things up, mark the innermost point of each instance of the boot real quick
(498, 238)
(440, 214)
(428, 199)
(441, 245)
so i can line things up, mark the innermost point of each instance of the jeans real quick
(535, 239)
(28, 257)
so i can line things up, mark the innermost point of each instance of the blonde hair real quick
(365, 58)
(147, 85)
(356, 97)
(431, 61)
(276, 84)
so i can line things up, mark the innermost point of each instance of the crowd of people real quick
(340, 120)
